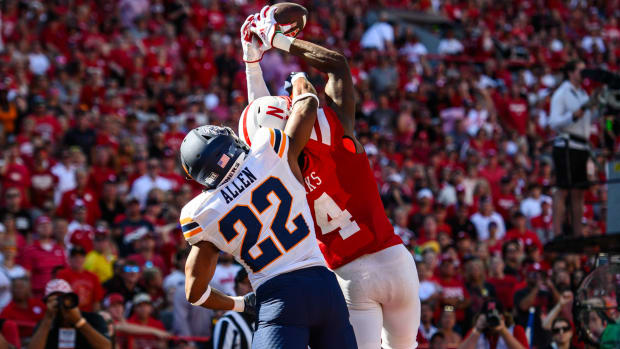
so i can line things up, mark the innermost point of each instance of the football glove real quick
(265, 26)
(250, 304)
(253, 50)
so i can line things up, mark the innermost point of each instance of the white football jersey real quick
(260, 216)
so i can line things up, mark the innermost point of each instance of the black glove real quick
(288, 85)
(249, 301)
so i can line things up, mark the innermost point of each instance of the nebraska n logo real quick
(275, 111)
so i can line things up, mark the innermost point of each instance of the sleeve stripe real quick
(189, 226)
(281, 153)
(186, 220)
(278, 141)
(193, 232)
(271, 136)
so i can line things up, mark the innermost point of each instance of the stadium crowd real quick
(96, 96)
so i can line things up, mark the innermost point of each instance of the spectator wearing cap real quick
(64, 326)
(13, 209)
(79, 233)
(43, 256)
(504, 285)
(83, 282)
(83, 193)
(447, 324)
(535, 300)
(453, 291)
(151, 180)
(423, 208)
(520, 232)
(126, 283)
(130, 224)
(143, 315)
(110, 204)
(235, 330)
(532, 205)
(505, 201)
(484, 216)
(23, 306)
(118, 326)
(146, 256)
(100, 259)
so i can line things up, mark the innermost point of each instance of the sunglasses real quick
(131, 269)
(561, 329)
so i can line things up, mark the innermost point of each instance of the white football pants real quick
(381, 290)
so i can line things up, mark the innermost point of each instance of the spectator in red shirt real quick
(43, 180)
(505, 201)
(517, 110)
(46, 124)
(543, 223)
(80, 233)
(505, 285)
(23, 307)
(142, 315)
(513, 256)
(453, 290)
(14, 172)
(43, 256)
(521, 234)
(146, 255)
(81, 192)
(84, 283)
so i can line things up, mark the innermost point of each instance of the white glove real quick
(253, 50)
(265, 26)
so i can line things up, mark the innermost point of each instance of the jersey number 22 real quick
(242, 214)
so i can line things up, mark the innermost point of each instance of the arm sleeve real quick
(559, 116)
(256, 84)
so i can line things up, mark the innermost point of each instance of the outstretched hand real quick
(253, 50)
(265, 26)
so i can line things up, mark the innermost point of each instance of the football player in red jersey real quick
(376, 272)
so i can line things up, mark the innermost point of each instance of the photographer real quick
(571, 119)
(64, 326)
(490, 331)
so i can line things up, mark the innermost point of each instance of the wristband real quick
(303, 96)
(239, 304)
(81, 322)
(282, 42)
(204, 297)
(298, 76)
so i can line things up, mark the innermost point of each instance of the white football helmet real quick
(268, 111)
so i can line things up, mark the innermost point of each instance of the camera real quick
(492, 314)
(68, 301)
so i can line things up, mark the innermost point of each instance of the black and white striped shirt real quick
(233, 331)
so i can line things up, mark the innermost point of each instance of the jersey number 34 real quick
(242, 215)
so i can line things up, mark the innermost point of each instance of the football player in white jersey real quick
(254, 207)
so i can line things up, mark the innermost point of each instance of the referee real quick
(235, 330)
(571, 119)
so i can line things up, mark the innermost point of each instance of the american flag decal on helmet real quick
(223, 161)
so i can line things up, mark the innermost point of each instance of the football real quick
(291, 18)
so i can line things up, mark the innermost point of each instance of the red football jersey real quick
(348, 214)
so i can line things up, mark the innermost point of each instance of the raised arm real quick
(339, 88)
(252, 55)
(302, 119)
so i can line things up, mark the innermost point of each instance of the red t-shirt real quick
(32, 314)
(453, 288)
(504, 203)
(41, 264)
(526, 238)
(517, 114)
(65, 208)
(85, 284)
(504, 289)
